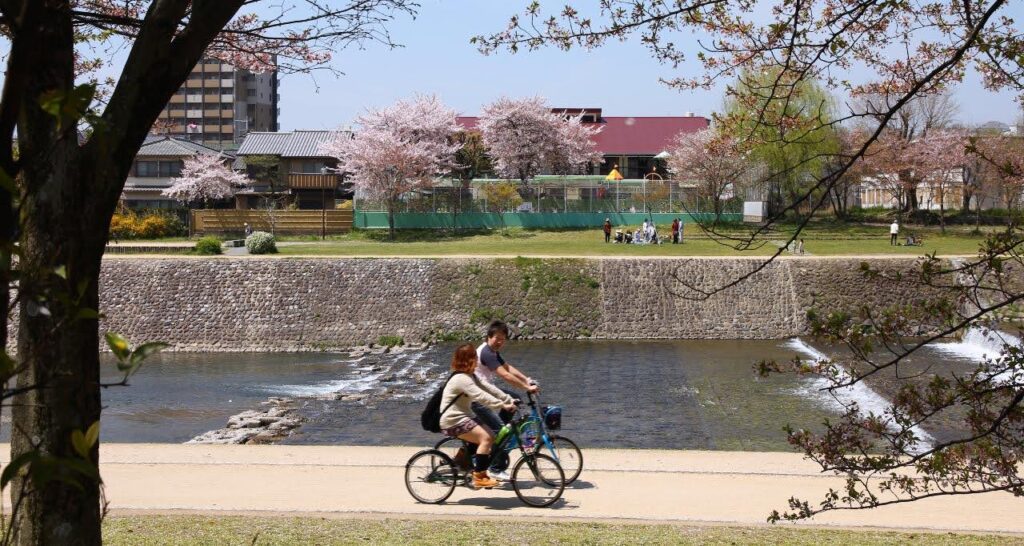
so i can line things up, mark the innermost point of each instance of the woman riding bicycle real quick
(459, 421)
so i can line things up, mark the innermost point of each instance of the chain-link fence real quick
(560, 194)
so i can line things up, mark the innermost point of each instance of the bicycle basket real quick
(553, 417)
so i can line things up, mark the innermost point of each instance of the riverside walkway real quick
(738, 488)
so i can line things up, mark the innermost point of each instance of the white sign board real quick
(754, 211)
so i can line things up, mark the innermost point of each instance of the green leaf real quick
(78, 442)
(119, 346)
(93, 434)
(61, 271)
(11, 470)
(7, 367)
(87, 313)
(7, 183)
(67, 107)
(146, 350)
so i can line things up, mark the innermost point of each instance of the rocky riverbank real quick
(385, 373)
(264, 426)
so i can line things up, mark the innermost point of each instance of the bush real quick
(146, 225)
(208, 245)
(260, 242)
(390, 341)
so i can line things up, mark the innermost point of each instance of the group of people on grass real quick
(475, 408)
(646, 234)
(894, 234)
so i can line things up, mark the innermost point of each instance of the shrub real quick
(208, 245)
(146, 225)
(260, 242)
(390, 341)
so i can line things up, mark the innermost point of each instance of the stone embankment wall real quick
(256, 304)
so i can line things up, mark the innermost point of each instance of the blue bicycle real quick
(533, 432)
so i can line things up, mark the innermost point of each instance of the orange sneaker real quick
(482, 481)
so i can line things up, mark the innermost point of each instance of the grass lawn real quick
(822, 239)
(819, 241)
(139, 530)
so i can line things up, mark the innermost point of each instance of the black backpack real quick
(430, 419)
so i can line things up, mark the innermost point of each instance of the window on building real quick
(158, 169)
(311, 167)
(170, 168)
(250, 92)
(146, 168)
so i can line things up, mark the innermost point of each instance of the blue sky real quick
(620, 77)
(437, 58)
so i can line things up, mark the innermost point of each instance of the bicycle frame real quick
(536, 416)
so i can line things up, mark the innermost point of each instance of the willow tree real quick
(64, 158)
(791, 133)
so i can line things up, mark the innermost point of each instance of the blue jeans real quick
(494, 421)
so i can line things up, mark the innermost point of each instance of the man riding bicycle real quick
(493, 365)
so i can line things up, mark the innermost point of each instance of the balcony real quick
(306, 181)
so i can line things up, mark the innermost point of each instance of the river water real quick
(642, 394)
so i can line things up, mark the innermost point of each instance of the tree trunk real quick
(57, 351)
(68, 195)
(391, 219)
(61, 358)
(942, 213)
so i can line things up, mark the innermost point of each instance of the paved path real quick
(641, 485)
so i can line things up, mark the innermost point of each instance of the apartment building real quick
(219, 104)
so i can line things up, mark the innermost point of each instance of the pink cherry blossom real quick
(397, 149)
(205, 177)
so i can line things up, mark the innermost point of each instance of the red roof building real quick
(631, 142)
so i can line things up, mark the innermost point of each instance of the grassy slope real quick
(138, 530)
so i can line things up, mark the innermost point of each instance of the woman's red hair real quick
(464, 359)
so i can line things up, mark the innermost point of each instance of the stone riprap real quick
(300, 304)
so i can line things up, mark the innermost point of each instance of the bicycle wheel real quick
(567, 453)
(430, 476)
(538, 480)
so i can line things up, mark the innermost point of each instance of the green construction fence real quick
(529, 220)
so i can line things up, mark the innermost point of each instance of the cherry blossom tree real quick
(902, 52)
(576, 148)
(896, 169)
(943, 158)
(524, 137)
(64, 158)
(713, 160)
(397, 149)
(1001, 159)
(205, 177)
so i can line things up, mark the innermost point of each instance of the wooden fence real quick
(292, 222)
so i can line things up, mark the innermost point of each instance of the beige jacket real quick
(472, 390)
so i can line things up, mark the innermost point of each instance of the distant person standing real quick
(607, 230)
(675, 231)
(681, 231)
(894, 233)
(800, 247)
